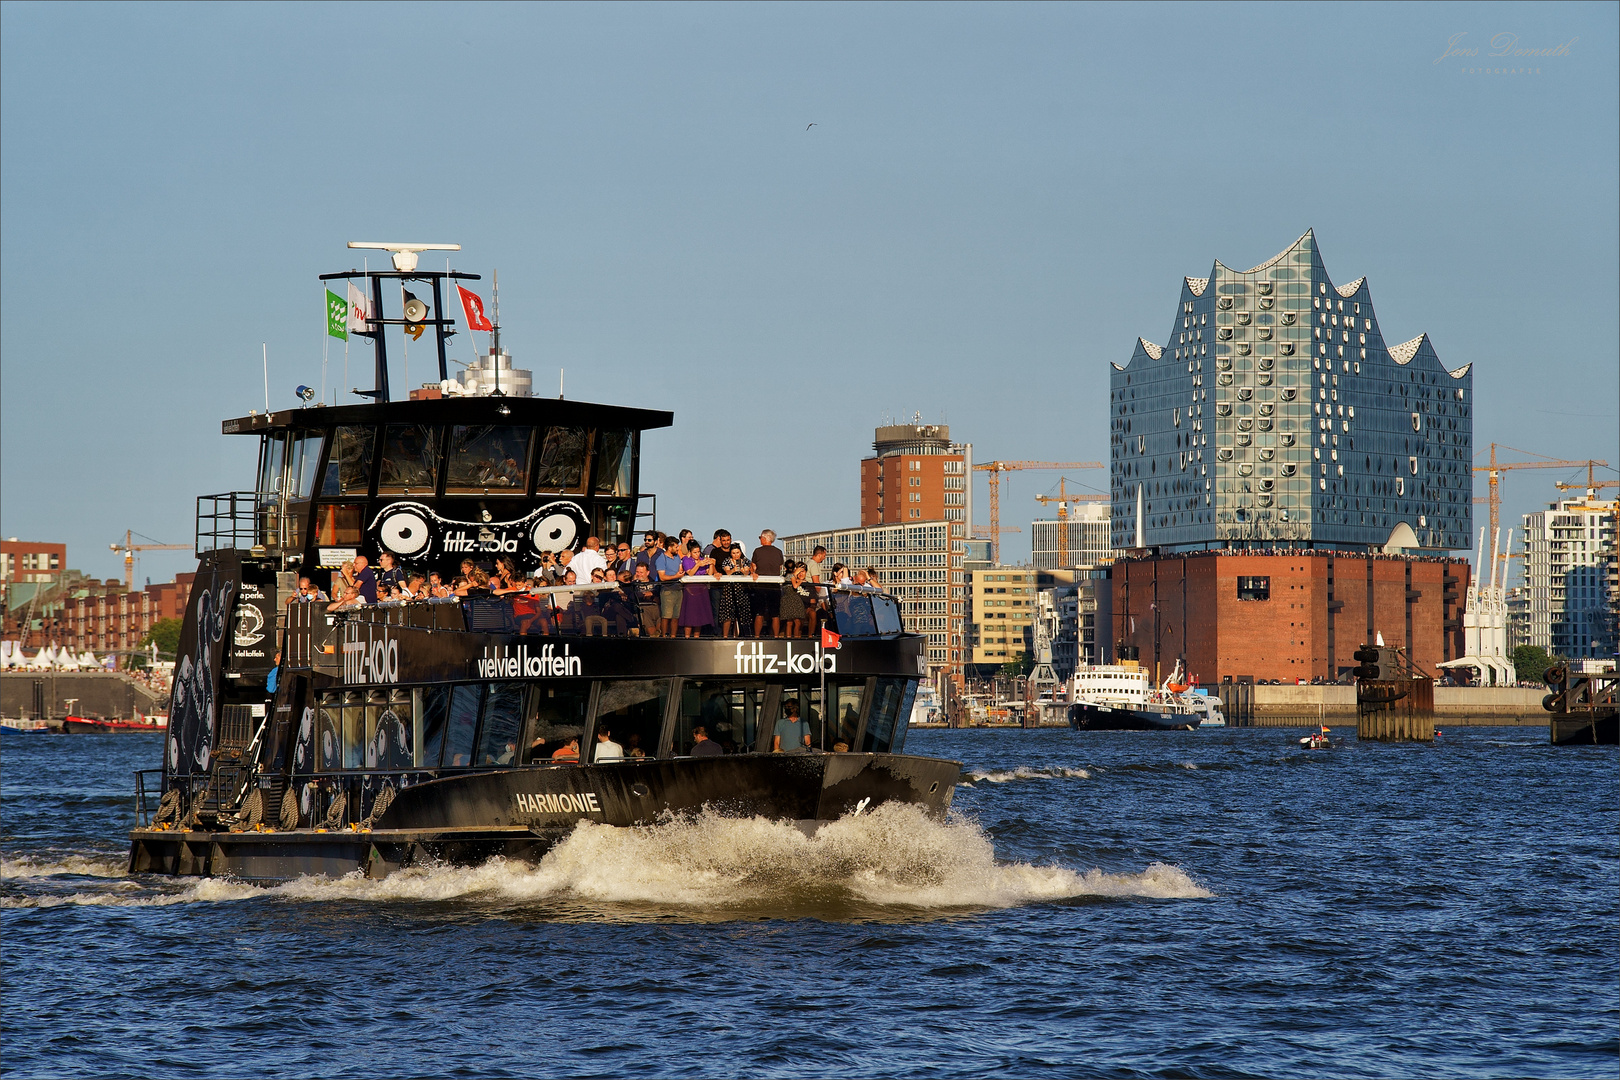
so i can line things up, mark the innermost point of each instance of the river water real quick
(1205, 904)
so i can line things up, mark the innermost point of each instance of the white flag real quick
(359, 312)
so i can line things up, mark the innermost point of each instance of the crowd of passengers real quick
(654, 591)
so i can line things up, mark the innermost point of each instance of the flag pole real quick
(265, 345)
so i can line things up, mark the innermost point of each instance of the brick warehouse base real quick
(1286, 615)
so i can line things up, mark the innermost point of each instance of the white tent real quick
(66, 661)
(8, 654)
(87, 659)
(42, 659)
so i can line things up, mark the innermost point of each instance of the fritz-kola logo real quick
(507, 662)
(411, 530)
(374, 661)
(753, 658)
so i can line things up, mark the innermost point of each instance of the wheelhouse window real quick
(891, 710)
(728, 712)
(487, 458)
(557, 715)
(502, 724)
(391, 734)
(561, 467)
(349, 470)
(631, 711)
(463, 726)
(615, 458)
(410, 460)
(272, 459)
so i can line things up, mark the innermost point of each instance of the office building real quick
(920, 563)
(1571, 579)
(1001, 603)
(1090, 538)
(916, 474)
(1275, 414)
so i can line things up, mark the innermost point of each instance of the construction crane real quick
(1591, 484)
(129, 547)
(995, 469)
(1063, 498)
(1495, 468)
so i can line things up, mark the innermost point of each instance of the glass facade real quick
(1277, 415)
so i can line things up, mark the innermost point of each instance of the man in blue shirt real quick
(366, 578)
(667, 565)
(792, 734)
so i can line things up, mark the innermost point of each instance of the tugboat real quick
(378, 736)
(1121, 697)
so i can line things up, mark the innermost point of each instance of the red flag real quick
(473, 305)
(829, 640)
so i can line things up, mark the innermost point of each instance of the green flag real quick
(337, 316)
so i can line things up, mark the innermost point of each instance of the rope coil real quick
(385, 799)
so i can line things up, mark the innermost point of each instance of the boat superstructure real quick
(1122, 697)
(463, 727)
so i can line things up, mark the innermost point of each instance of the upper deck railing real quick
(242, 521)
(314, 633)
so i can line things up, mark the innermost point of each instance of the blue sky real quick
(994, 202)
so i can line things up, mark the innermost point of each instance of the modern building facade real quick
(1571, 578)
(31, 561)
(1276, 414)
(1090, 538)
(916, 474)
(1001, 601)
(920, 563)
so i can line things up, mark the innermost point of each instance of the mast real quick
(495, 334)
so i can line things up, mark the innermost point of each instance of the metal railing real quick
(240, 521)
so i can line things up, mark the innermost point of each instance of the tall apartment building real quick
(1571, 578)
(916, 474)
(1090, 538)
(1001, 614)
(1276, 414)
(919, 562)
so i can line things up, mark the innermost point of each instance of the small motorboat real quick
(1318, 740)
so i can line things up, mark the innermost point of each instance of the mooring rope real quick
(385, 799)
(334, 815)
(168, 807)
(289, 810)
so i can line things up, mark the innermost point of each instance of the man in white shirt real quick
(606, 748)
(589, 559)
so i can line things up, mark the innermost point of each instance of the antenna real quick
(405, 255)
(266, 347)
(495, 334)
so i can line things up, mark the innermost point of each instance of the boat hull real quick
(1084, 716)
(78, 725)
(520, 813)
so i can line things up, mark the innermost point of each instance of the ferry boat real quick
(459, 728)
(1121, 697)
(89, 725)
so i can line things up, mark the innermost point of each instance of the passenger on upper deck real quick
(436, 586)
(346, 588)
(589, 558)
(506, 578)
(472, 579)
(366, 578)
(391, 580)
(767, 601)
(670, 592)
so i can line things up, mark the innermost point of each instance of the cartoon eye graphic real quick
(554, 532)
(404, 531)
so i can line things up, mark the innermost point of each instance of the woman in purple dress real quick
(696, 610)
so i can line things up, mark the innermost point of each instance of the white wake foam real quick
(1026, 772)
(28, 866)
(719, 867)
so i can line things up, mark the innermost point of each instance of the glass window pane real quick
(410, 459)
(557, 714)
(613, 459)
(562, 460)
(503, 721)
(271, 459)
(330, 743)
(841, 726)
(728, 712)
(394, 735)
(349, 470)
(487, 458)
(631, 712)
(301, 466)
(464, 702)
(354, 730)
(435, 714)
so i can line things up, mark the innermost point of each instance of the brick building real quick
(31, 561)
(916, 474)
(113, 619)
(1286, 615)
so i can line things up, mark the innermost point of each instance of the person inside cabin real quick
(732, 610)
(391, 578)
(792, 735)
(703, 746)
(568, 751)
(366, 578)
(536, 751)
(767, 600)
(840, 747)
(606, 748)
